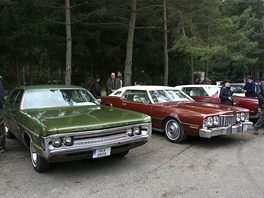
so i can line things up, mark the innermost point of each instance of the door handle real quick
(124, 103)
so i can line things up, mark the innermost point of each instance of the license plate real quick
(102, 152)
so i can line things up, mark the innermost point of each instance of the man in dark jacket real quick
(2, 128)
(113, 84)
(249, 87)
(260, 95)
(226, 94)
(96, 88)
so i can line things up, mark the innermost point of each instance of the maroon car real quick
(177, 115)
(210, 94)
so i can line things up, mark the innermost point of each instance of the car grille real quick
(225, 120)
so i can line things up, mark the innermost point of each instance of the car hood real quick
(84, 118)
(204, 108)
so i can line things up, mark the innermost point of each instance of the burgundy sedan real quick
(210, 94)
(177, 115)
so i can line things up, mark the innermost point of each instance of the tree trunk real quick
(68, 43)
(30, 62)
(192, 70)
(191, 35)
(208, 44)
(18, 72)
(129, 47)
(165, 32)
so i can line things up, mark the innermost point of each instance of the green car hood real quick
(83, 118)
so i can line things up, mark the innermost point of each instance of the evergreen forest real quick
(173, 40)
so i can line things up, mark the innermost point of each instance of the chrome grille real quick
(225, 120)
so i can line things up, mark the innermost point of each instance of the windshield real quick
(212, 90)
(170, 95)
(57, 98)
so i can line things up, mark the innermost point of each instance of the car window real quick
(117, 93)
(15, 98)
(139, 96)
(159, 96)
(57, 98)
(195, 91)
(212, 91)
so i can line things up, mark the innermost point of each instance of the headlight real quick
(68, 141)
(243, 117)
(56, 142)
(136, 131)
(129, 132)
(216, 121)
(210, 121)
(238, 117)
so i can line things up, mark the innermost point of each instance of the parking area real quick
(227, 166)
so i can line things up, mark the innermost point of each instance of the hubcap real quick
(33, 155)
(173, 130)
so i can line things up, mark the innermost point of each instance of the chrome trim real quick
(189, 124)
(90, 140)
(225, 130)
(225, 120)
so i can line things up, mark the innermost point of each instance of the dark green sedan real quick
(62, 123)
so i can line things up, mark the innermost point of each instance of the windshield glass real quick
(159, 96)
(212, 90)
(57, 98)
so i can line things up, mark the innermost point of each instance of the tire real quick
(39, 164)
(123, 154)
(174, 131)
(9, 134)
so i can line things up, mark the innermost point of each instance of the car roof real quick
(40, 87)
(145, 87)
(197, 85)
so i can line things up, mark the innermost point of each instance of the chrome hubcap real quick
(172, 130)
(33, 155)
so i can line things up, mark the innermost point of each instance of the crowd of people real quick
(250, 90)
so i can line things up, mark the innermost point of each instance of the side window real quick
(187, 90)
(137, 96)
(198, 91)
(15, 98)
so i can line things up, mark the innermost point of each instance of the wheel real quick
(174, 131)
(39, 164)
(9, 134)
(123, 154)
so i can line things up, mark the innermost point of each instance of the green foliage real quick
(225, 37)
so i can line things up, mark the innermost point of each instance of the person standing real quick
(2, 128)
(113, 84)
(260, 96)
(226, 94)
(249, 87)
(96, 88)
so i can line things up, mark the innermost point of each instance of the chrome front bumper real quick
(225, 130)
(90, 140)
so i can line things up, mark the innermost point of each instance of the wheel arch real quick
(165, 119)
(26, 139)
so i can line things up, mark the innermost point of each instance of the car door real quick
(137, 100)
(12, 111)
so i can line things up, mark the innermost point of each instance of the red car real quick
(177, 115)
(210, 94)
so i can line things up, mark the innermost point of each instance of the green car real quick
(63, 123)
